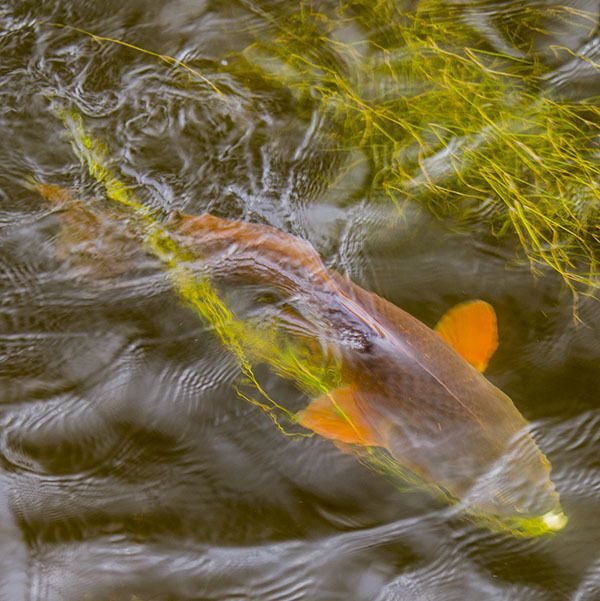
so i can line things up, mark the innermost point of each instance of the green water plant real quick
(444, 119)
(447, 121)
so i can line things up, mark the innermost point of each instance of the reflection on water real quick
(129, 467)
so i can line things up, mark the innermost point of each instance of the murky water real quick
(129, 467)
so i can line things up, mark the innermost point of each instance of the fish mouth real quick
(522, 526)
(539, 514)
(543, 518)
(549, 523)
(555, 520)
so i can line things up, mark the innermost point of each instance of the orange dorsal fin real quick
(336, 416)
(471, 330)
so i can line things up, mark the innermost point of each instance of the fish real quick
(93, 239)
(413, 394)
(411, 398)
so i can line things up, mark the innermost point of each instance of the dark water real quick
(129, 468)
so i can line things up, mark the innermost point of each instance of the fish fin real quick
(336, 416)
(470, 328)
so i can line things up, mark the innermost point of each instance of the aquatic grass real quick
(445, 121)
(169, 60)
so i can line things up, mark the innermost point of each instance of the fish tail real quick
(55, 195)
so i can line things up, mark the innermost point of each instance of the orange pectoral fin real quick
(471, 330)
(336, 416)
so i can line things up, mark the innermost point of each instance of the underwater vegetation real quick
(471, 131)
(405, 400)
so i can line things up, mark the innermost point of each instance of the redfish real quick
(409, 397)
(92, 239)
(415, 394)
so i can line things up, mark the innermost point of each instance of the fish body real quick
(410, 397)
(414, 393)
(93, 240)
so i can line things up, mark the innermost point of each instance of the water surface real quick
(129, 467)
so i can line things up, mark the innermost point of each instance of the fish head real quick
(515, 493)
(486, 463)
(490, 469)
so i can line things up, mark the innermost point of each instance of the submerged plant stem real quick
(246, 344)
